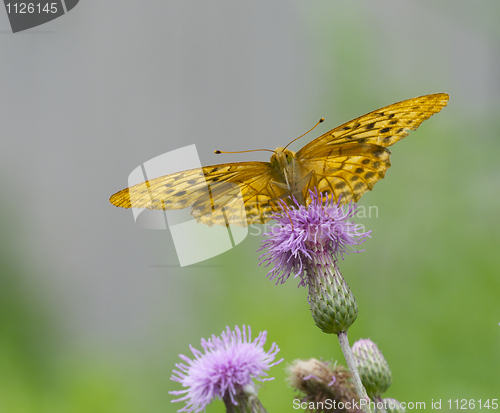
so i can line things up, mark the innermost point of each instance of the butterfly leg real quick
(302, 187)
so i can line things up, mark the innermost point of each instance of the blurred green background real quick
(94, 310)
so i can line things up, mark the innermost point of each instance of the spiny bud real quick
(319, 381)
(373, 369)
(333, 305)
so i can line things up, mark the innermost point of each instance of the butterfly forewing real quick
(383, 127)
(214, 193)
(351, 173)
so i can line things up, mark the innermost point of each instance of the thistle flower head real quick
(319, 381)
(321, 231)
(225, 369)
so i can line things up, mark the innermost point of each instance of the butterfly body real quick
(293, 177)
(344, 162)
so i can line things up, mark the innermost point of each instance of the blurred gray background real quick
(95, 309)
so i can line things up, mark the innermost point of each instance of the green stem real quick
(349, 358)
(247, 403)
(378, 400)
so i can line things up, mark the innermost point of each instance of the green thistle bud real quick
(393, 406)
(373, 369)
(333, 305)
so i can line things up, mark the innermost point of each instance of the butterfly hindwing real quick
(241, 193)
(348, 170)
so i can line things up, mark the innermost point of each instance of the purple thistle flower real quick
(228, 364)
(320, 233)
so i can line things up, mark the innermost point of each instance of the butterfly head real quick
(281, 158)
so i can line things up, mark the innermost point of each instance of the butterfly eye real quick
(289, 157)
(274, 162)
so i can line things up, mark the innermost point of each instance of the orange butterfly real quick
(347, 161)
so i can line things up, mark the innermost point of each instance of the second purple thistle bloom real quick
(317, 234)
(225, 369)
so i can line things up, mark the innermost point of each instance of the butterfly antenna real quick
(321, 120)
(251, 150)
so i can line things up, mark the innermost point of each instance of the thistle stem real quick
(349, 358)
(378, 401)
(245, 403)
